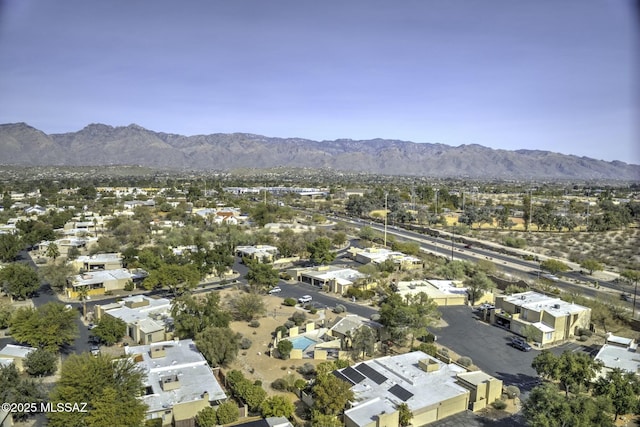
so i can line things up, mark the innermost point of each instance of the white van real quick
(304, 299)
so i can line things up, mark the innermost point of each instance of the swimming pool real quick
(301, 342)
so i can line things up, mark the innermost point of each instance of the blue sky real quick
(549, 75)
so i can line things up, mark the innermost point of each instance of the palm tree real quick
(83, 296)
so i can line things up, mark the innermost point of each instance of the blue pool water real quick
(300, 343)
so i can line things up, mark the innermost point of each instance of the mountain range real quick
(99, 145)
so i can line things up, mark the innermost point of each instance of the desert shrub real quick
(300, 384)
(129, 286)
(254, 324)
(258, 383)
(245, 343)
(515, 242)
(465, 361)
(586, 332)
(280, 384)
(583, 338)
(299, 318)
(499, 404)
(306, 369)
(428, 348)
(282, 329)
(289, 302)
(289, 324)
(429, 337)
(512, 391)
(339, 309)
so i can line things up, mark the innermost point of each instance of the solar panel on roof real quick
(355, 376)
(401, 392)
(368, 371)
(342, 377)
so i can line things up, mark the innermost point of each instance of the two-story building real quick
(178, 381)
(544, 319)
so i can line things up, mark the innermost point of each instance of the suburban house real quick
(619, 352)
(262, 253)
(148, 319)
(15, 354)
(380, 255)
(443, 292)
(98, 282)
(336, 279)
(108, 261)
(539, 317)
(178, 381)
(432, 389)
(344, 327)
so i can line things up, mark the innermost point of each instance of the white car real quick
(304, 299)
(274, 290)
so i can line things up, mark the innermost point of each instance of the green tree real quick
(49, 326)
(363, 341)
(178, 278)
(405, 414)
(284, 348)
(621, 388)
(320, 251)
(554, 266)
(477, 285)
(56, 274)
(331, 395)
(571, 370)
(110, 330)
(277, 406)
(218, 345)
(52, 251)
(10, 245)
(591, 265)
(6, 310)
(192, 315)
(19, 280)
(41, 362)
(413, 314)
(261, 276)
(207, 417)
(15, 388)
(110, 387)
(319, 419)
(247, 306)
(227, 412)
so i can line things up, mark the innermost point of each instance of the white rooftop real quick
(410, 384)
(539, 302)
(380, 255)
(151, 316)
(433, 288)
(183, 360)
(342, 275)
(99, 257)
(614, 356)
(11, 351)
(98, 276)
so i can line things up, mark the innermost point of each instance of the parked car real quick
(486, 306)
(551, 277)
(274, 290)
(304, 299)
(626, 297)
(95, 350)
(520, 344)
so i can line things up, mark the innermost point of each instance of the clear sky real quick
(544, 74)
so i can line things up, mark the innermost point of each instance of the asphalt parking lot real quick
(488, 347)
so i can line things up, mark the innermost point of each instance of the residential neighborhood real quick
(337, 316)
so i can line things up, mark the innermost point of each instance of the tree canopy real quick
(320, 251)
(192, 315)
(19, 280)
(49, 326)
(110, 387)
(110, 330)
(219, 346)
(412, 314)
(178, 278)
(261, 276)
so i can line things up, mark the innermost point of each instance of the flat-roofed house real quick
(178, 381)
(549, 319)
(443, 292)
(380, 255)
(619, 352)
(16, 354)
(107, 261)
(336, 279)
(432, 389)
(148, 319)
(262, 253)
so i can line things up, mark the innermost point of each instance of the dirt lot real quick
(256, 362)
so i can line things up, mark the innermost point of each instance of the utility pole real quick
(385, 218)
(453, 235)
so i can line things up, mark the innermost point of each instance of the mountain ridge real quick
(99, 144)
